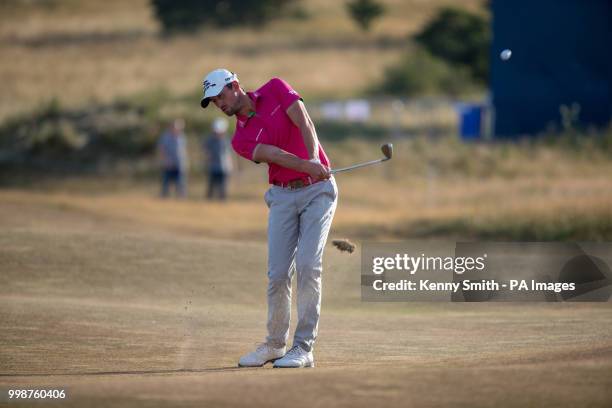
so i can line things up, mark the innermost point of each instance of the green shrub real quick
(189, 15)
(364, 12)
(460, 38)
(84, 136)
(55, 138)
(421, 73)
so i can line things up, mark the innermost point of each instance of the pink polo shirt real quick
(271, 125)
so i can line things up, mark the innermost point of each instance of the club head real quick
(387, 150)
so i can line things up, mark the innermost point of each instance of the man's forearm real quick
(287, 160)
(272, 154)
(310, 139)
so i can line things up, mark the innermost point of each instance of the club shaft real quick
(356, 166)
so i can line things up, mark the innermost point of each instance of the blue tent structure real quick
(561, 55)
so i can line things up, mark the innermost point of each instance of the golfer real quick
(273, 126)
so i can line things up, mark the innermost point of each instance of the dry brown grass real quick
(439, 189)
(84, 51)
(120, 313)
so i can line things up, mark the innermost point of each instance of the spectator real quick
(218, 159)
(172, 147)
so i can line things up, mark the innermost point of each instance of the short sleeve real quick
(284, 93)
(245, 141)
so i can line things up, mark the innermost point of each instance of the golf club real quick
(387, 150)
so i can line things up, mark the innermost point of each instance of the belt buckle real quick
(295, 184)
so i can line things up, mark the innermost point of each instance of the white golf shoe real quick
(262, 355)
(297, 357)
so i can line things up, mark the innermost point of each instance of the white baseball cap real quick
(219, 125)
(214, 82)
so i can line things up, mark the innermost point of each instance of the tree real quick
(460, 38)
(364, 12)
(189, 15)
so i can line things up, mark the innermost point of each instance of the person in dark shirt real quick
(218, 160)
(172, 149)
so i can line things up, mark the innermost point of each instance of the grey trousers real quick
(298, 225)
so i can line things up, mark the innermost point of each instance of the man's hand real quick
(316, 171)
(272, 154)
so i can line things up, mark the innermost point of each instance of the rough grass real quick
(441, 189)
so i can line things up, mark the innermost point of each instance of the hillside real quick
(79, 52)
